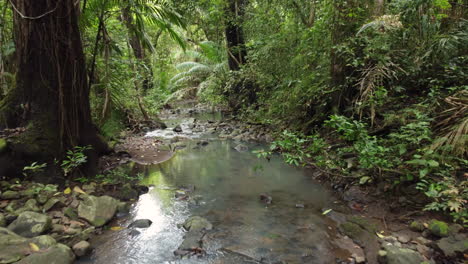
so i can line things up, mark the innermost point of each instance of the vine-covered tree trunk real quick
(51, 97)
(234, 34)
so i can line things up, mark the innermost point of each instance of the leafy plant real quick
(34, 168)
(74, 159)
(448, 195)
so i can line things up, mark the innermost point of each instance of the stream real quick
(224, 187)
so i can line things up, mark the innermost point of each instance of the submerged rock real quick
(196, 223)
(266, 198)
(141, 223)
(192, 240)
(177, 129)
(30, 224)
(97, 210)
(241, 148)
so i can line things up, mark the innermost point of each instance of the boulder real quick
(141, 223)
(13, 248)
(97, 210)
(196, 223)
(81, 248)
(452, 245)
(57, 254)
(397, 255)
(439, 228)
(30, 224)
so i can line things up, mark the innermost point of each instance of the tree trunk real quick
(51, 96)
(235, 35)
(138, 50)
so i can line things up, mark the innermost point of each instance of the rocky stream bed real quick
(205, 198)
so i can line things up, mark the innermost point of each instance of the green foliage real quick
(119, 175)
(448, 195)
(33, 168)
(74, 159)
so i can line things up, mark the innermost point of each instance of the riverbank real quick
(360, 225)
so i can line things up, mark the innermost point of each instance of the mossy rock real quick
(352, 230)
(363, 223)
(417, 226)
(439, 228)
(3, 145)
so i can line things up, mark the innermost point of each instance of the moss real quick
(363, 223)
(417, 226)
(3, 145)
(352, 230)
(439, 228)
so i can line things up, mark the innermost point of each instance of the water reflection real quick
(229, 183)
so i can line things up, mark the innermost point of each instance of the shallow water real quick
(227, 185)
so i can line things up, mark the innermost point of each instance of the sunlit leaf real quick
(78, 190)
(327, 211)
(67, 191)
(34, 247)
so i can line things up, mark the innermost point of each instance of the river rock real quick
(356, 252)
(13, 248)
(191, 240)
(3, 221)
(439, 228)
(70, 213)
(31, 205)
(453, 244)
(30, 224)
(417, 226)
(50, 204)
(396, 255)
(57, 254)
(127, 192)
(355, 194)
(10, 195)
(141, 223)
(177, 129)
(97, 210)
(241, 148)
(196, 223)
(81, 248)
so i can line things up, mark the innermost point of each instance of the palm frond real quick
(452, 125)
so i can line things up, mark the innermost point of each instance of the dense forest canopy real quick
(373, 90)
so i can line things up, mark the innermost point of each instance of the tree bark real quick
(51, 96)
(234, 34)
